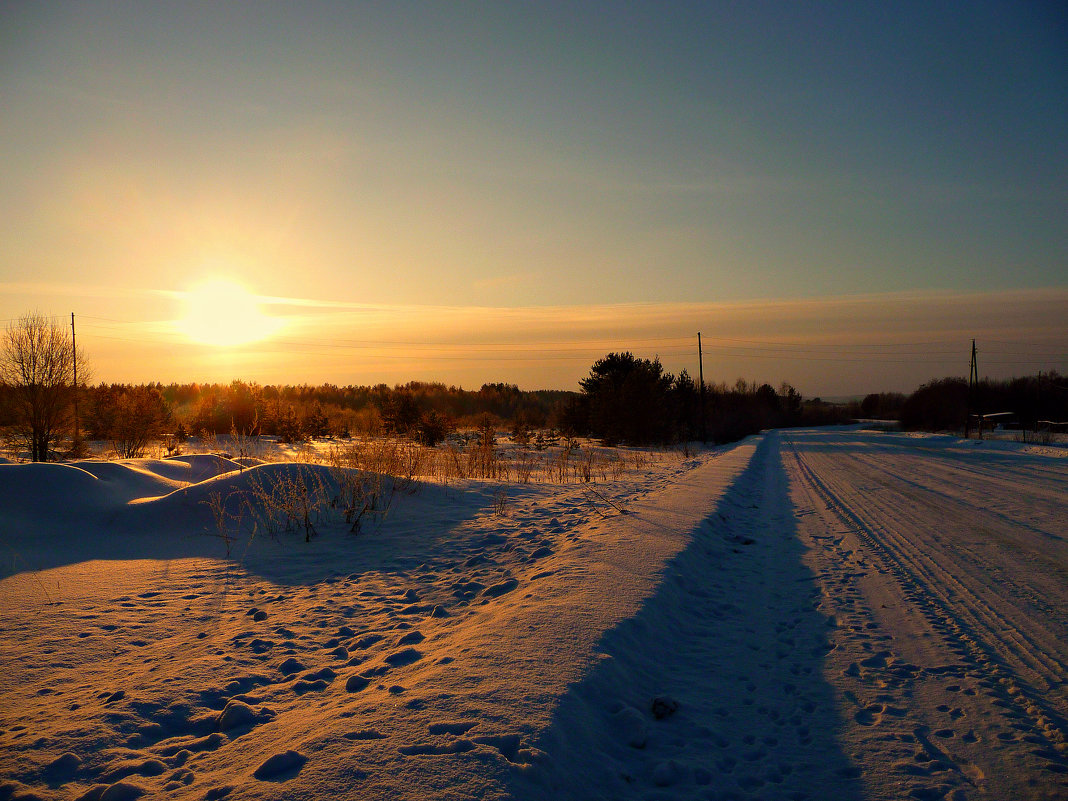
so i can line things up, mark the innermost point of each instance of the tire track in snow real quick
(955, 593)
(933, 504)
(998, 494)
(996, 648)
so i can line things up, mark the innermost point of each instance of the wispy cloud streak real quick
(829, 346)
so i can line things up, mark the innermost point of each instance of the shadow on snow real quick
(734, 637)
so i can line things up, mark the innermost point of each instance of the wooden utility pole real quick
(973, 389)
(74, 348)
(701, 377)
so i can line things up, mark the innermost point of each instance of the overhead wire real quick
(569, 350)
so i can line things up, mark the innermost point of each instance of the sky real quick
(838, 195)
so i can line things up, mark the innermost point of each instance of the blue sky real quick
(506, 156)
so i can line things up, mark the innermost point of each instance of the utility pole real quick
(973, 389)
(701, 376)
(74, 348)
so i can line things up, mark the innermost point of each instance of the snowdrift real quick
(55, 514)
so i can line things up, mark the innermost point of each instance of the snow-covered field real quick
(810, 614)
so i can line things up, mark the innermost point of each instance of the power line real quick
(570, 350)
(680, 344)
(670, 343)
(445, 352)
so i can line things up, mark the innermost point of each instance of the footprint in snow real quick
(130, 767)
(119, 791)
(238, 714)
(179, 778)
(190, 745)
(500, 589)
(356, 683)
(281, 767)
(506, 744)
(404, 657)
(301, 686)
(367, 641)
(323, 674)
(453, 727)
(291, 665)
(62, 768)
(364, 734)
(457, 746)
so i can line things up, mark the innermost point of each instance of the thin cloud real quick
(829, 345)
(67, 290)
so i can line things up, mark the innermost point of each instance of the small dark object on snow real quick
(664, 706)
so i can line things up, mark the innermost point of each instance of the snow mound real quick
(57, 513)
(30, 491)
(195, 467)
(250, 461)
(242, 496)
(36, 495)
(252, 480)
(134, 478)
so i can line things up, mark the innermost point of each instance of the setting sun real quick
(225, 314)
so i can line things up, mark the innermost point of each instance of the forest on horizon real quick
(625, 399)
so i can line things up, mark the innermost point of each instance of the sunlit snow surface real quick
(805, 615)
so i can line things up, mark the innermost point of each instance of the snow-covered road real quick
(808, 614)
(944, 565)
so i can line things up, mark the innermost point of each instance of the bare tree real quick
(37, 363)
(130, 418)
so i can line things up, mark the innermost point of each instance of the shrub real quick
(129, 418)
(432, 428)
(289, 427)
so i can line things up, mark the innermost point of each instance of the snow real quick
(807, 614)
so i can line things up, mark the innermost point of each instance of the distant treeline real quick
(46, 414)
(945, 404)
(626, 399)
(301, 411)
(623, 400)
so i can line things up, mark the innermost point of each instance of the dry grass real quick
(364, 475)
(459, 458)
(294, 500)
